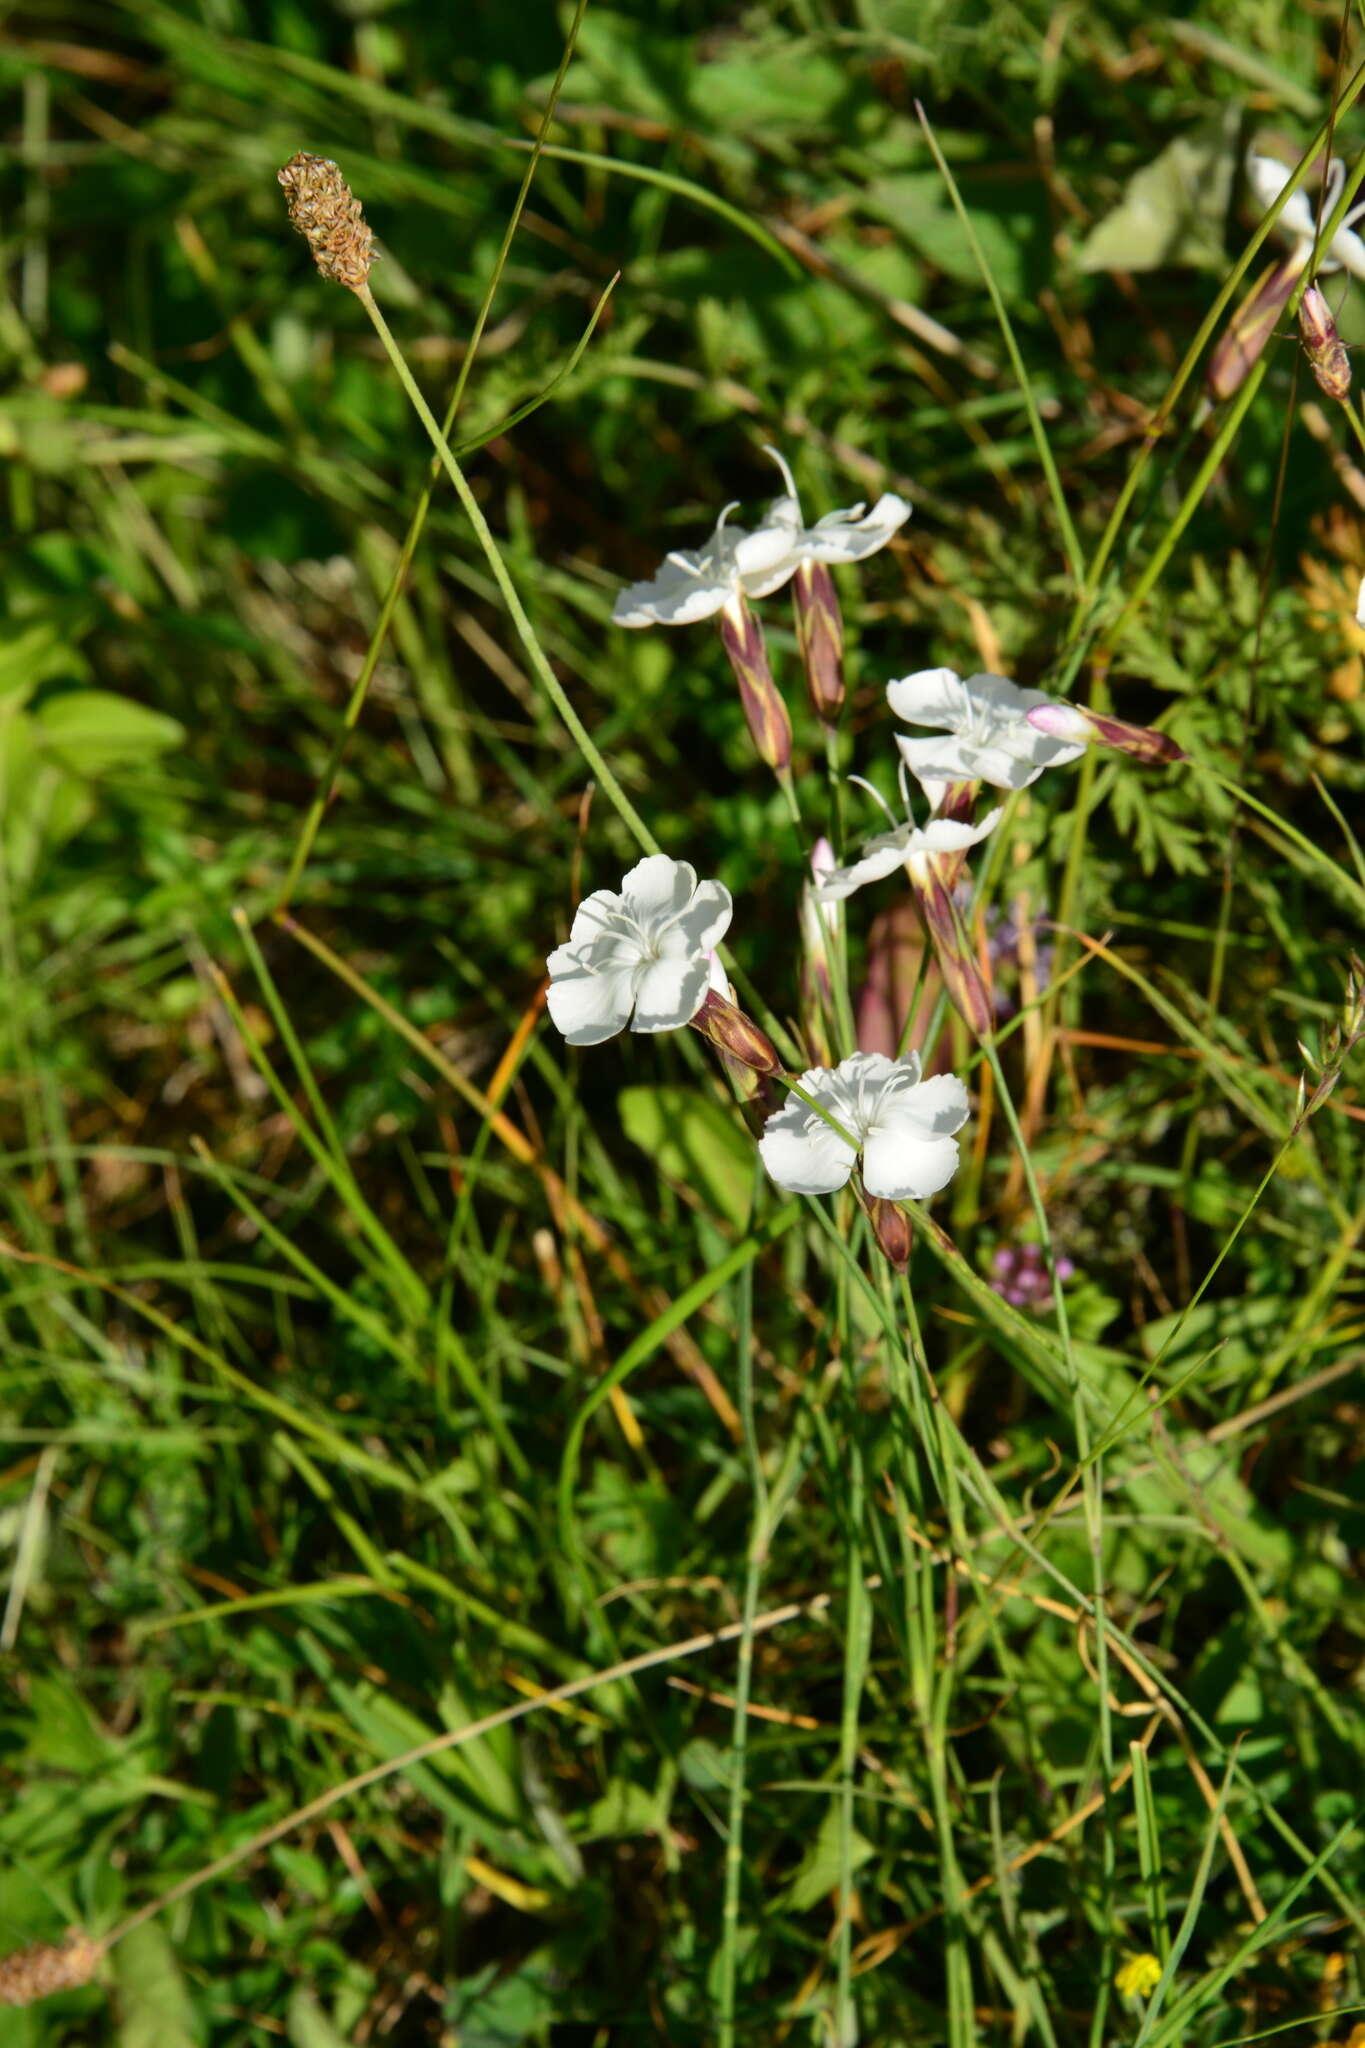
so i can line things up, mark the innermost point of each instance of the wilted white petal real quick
(853, 535)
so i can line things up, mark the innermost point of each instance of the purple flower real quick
(1019, 1275)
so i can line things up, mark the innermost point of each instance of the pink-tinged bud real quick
(1081, 728)
(1243, 340)
(820, 922)
(820, 636)
(958, 801)
(736, 1035)
(1324, 347)
(758, 693)
(962, 977)
(890, 1226)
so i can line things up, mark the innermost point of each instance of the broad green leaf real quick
(1010, 223)
(91, 731)
(1174, 210)
(154, 2006)
(693, 1140)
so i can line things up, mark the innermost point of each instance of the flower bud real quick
(329, 217)
(1079, 727)
(820, 925)
(820, 636)
(1243, 340)
(758, 693)
(961, 975)
(890, 1226)
(735, 1035)
(1324, 347)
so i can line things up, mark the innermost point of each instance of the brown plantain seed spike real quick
(329, 217)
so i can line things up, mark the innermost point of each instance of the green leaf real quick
(693, 1141)
(822, 1866)
(1174, 210)
(307, 2025)
(1010, 224)
(91, 731)
(32, 653)
(154, 2006)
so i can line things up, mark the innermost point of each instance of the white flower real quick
(1298, 220)
(986, 733)
(1360, 603)
(735, 564)
(691, 585)
(919, 849)
(641, 958)
(847, 536)
(902, 1126)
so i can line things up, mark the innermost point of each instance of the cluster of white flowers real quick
(645, 958)
(735, 564)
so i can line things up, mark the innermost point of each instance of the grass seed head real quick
(48, 1967)
(328, 215)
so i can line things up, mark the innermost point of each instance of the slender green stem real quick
(355, 703)
(759, 1538)
(525, 631)
(1070, 542)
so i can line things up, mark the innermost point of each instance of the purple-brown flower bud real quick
(1243, 340)
(758, 693)
(1324, 347)
(1079, 727)
(890, 1226)
(329, 217)
(736, 1035)
(962, 977)
(820, 636)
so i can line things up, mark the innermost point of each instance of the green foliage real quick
(307, 1280)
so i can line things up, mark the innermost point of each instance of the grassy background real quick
(302, 1331)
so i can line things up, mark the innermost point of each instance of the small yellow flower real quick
(1138, 1977)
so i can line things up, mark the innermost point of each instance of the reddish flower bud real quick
(961, 976)
(820, 636)
(1324, 347)
(736, 1035)
(1243, 340)
(891, 1227)
(758, 693)
(1073, 723)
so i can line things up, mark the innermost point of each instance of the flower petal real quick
(658, 887)
(802, 1153)
(902, 1166)
(939, 1105)
(672, 598)
(706, 919)
(586, 1004)
(880, 857)
(670, 992)
(853, 535)
(931, 696)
